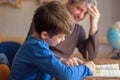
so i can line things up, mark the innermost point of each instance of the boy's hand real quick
(71, 61)
(91, 65)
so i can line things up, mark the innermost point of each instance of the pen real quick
(87, 56)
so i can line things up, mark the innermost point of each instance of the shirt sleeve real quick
(46, 61)
(89, 45)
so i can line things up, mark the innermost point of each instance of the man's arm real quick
(90, 45)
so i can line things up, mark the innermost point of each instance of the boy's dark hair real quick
(53, 18)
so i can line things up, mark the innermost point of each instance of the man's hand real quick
(94, 18)
(71, 61)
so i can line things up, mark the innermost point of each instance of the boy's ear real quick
(44, 34)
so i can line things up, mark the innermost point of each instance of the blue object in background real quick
(3, 59)
(114, 35)
(9, 49)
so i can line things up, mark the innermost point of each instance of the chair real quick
(9, 48)
(4, 72)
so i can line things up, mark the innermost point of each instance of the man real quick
(79, 9)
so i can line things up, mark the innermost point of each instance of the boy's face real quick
(53, 41)
(78, 10)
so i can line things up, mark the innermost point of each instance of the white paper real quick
(107, 70)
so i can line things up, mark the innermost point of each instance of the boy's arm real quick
(50, 64)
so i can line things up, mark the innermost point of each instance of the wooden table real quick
(104, 61)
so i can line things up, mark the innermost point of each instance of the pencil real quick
(87, 56)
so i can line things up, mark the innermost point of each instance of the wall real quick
(110, 13)
(14, 21)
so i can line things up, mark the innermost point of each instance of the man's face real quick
(78, 10)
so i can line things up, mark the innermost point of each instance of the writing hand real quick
(91, 65)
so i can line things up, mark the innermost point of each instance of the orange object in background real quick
(4, 72)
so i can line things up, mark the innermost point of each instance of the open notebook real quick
(107, 70)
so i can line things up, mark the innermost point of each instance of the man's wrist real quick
(93, 31)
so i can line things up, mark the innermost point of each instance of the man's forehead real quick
(82, 5)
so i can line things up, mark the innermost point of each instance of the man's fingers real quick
(75, 62)
(80, 62)
(93, 11)
(72, 61)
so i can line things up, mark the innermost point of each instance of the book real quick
(108, 66)
(107, 70)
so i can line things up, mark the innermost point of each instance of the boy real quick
(35, 61)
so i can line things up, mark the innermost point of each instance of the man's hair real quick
(88, 2)
(53, 18)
